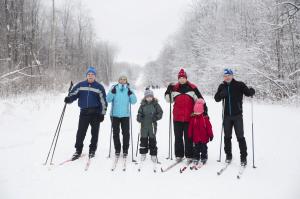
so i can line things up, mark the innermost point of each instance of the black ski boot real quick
(91, 154)
(243, 161)
(76, 155)
(203, 161)
(228, 158)
(179, 159)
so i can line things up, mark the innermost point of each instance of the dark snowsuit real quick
(148, 115)
(233, 113)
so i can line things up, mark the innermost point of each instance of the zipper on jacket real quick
(87, 98)
(229, 99)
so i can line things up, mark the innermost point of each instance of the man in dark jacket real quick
(232, 92)
(183, 94)
(92, 102)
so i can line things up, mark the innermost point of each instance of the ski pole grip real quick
(70, 88)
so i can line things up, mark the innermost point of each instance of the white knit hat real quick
(148, 93)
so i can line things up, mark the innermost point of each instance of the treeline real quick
(260, 40)
(45, 44)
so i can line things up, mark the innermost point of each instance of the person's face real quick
(228, 78)
(123, 81)
(149, 99)
(182, 80)
(91, 77)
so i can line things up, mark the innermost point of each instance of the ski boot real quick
(228, 158)
(76, 155)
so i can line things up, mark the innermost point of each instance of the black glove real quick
(113, 91)
(211, 138)
(68, 100)
(129, 92)
(252, 91)
(101, 118)
(154, 118)
(169, 89)
(223, 93)
(140, 117)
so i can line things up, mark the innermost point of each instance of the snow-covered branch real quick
(294, 73)
(19, 72)
(297, 7)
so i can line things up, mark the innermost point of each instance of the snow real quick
(27, 125)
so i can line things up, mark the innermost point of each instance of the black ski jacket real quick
(233, 94)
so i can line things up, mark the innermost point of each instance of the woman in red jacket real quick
(183, 94)
(200, 131)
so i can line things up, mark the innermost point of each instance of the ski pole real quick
(131, 136)
(137, 146)
(170, 118)
(154, 132)
(252, 133)
(58, 127)
(171, 140)
(58, 132)
(111, 128)
(111, 132)
(222, 129)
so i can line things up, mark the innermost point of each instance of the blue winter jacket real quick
(121, 101)
(89, 95)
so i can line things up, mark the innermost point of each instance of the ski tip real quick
(238, 177)
(218, 173)
(161, 169)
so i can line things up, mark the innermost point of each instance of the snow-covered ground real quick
(27, 126)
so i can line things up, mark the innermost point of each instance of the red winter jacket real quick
(184, 98)
(200, 129)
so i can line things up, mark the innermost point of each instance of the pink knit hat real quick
(199, 106)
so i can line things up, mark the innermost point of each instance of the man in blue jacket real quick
(92, 102)
(121, 96)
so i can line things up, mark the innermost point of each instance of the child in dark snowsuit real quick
(148, 114)
(200, 131)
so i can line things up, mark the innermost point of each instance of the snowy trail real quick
(27, 126)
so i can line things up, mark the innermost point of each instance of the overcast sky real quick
(138, 27)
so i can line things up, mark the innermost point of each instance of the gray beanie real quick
(148, 93)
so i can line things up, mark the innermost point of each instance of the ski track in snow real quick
(27, 126)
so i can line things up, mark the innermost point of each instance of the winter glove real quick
(113, 91)
(140, 118)
(252, 91)
(68, 100)
(223, 93)
(154, 118)
(211, 138)
(101, 118)
(169, 89)
(129, 92)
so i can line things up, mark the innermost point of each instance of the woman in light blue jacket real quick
(121, 96)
